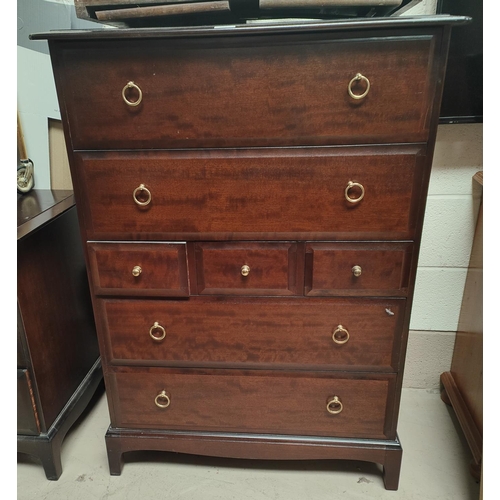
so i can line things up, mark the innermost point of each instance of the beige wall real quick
(450, 219)
(60, 177)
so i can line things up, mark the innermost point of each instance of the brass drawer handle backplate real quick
(162, 400)
(359, 78)
(157, 332)
(132, 85)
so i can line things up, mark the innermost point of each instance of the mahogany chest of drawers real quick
(251, 200)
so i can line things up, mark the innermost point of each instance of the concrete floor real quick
(435, 467)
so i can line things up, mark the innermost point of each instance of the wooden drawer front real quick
(254, 194)
(267, 402)
(256, 333)
(246, 92)
(150, 269)
(357, 268)
(246, 268)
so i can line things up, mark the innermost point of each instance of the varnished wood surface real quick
(467, 362)
(255, 333)
(388, 453)
(57, 344)
(163, 269)
(39, 206)
(253, 194)
(272, 268)
(23, 353)
(463, 384)
(27, 417)
(256, 153)
(473, 434)
(275, 94)
(344, 25)
(384, 268)
(54, 300)
(269, 402)
(46, 446)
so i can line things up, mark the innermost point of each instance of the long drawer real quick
(298, 333)
(331, 193)
(265, 402)
(247, 92)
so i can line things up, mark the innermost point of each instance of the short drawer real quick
(247, 268)
(358, 268)
(255, 91)
(273, 194)
(246, 332)
(139, 269)
(266, 402)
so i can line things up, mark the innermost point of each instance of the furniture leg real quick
(50, 456)
(115, 455)
(392, 468)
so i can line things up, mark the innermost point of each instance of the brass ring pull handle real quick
(139, 192)
(356, 270)
(136, 271)
(358, 78)
(157, 332)
(351, 185)
(245, 270)
(132, 85)
(334, 405)
(340, 335)
(162, 400)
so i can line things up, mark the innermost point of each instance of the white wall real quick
(36, 95)
(36, 103)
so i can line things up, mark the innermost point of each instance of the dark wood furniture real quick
(251, 202)
(58, 363)
(462, 386)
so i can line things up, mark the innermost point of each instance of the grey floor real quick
(435, 467)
